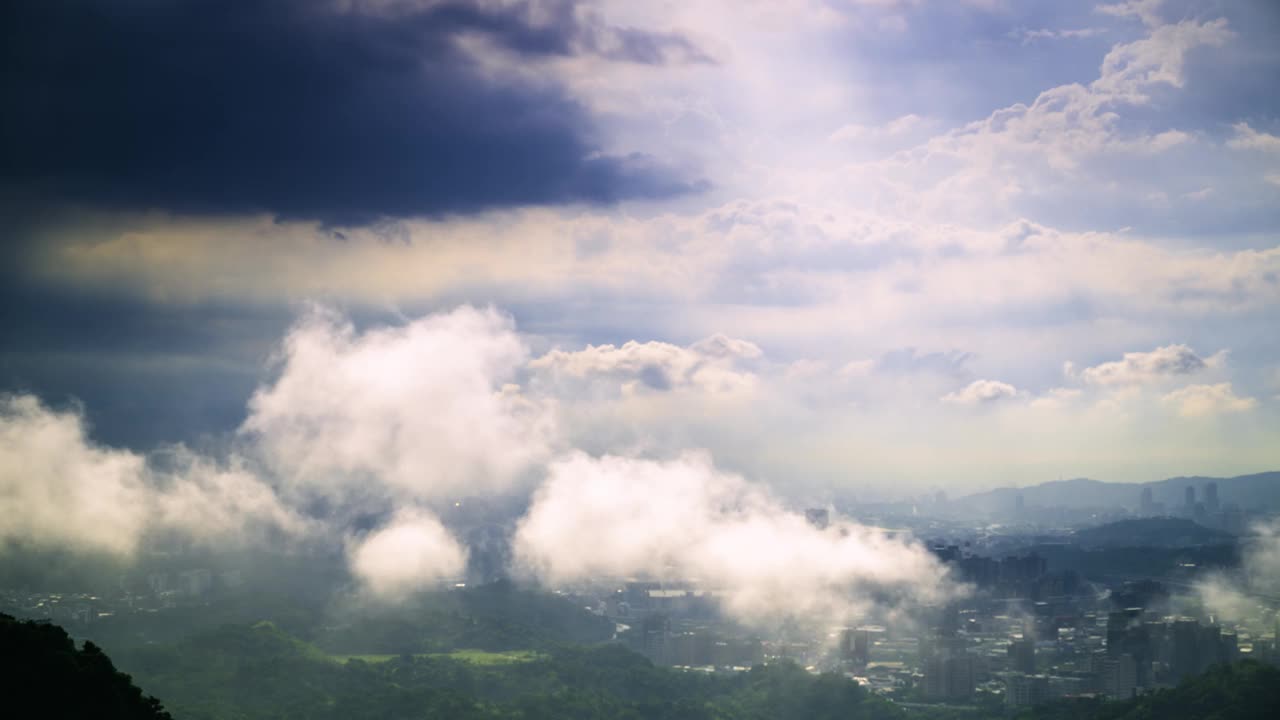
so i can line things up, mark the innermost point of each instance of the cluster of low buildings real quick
(79, 611)
(1118, 655)
(1027, 635)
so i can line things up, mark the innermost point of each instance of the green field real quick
(476, 657)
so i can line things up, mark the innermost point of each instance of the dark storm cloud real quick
(145, 373)
(308, 109)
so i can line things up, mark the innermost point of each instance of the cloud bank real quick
(683, 519)
(981, 392)
(360, 436)
(1148, 367)
(422, 411)
(1208, 400)
(411, 552)
(717, 364)
(58, 489)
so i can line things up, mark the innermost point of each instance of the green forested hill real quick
(250, 672)
(44, 675)
(497, 616)
(1243, 691)
(1151, 532)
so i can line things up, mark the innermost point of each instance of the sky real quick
(866, 248)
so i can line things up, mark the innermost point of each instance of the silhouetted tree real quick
(44, 675)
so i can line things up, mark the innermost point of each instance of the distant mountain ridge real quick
(1151, 532)
(1259, 491)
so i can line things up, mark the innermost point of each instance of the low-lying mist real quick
(1249, 592)
(359, 441)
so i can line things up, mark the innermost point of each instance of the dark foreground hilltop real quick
(44, 675)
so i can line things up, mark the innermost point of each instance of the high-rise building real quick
(1195, 648)
(1211, 650)
(1022, 656)
(1211, 497)
(1119, 677)
(690, 648)
(1190, 495)
(655, 634)
(1185, 651)
(861, 646)
(1229, 647)
(1147, 505)
(855, 645)
(1022, 690)
(1127, 634)
(949, 676)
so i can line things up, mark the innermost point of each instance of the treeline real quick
(44, 675)
(497, 616)
(250, 672)
(1246, 690)
(1098, 564)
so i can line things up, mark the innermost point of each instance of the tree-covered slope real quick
(44, 675)
(1151, 532)
(250, 672)
(1242, 691)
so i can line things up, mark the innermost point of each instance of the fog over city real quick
(396, 422)
(708, 360)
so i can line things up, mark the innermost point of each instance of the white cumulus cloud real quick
(981, 392)
(417, 411)
(1148, 11)
(410, 553)
(1145, 367)
(59, 489)
(1246, 138)
(1208, 400)
(685, 519)
(1057, 398)
(716, 364)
